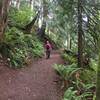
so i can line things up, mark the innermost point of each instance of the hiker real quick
(48, 49)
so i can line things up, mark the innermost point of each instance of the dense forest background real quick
(71, 25)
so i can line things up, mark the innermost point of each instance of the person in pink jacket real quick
(48, 49)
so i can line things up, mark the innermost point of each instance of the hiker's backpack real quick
(47, 46)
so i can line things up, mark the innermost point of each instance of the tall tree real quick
(98, 69)
(80, 35)
(29, 26)
(98, 80)
(4, 7)
(43, 18)
(98, 73)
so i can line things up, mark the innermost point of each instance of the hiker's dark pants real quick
(48, 54)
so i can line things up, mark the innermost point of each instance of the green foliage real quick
(81, 86)
(17, 58)
(20, 17)
(94, 65)
(66, 72)
(71, 94)
(68, 58)
(88, 76)
(38, 49)
(19, 47)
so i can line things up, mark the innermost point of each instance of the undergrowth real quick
(78, 83)
(18, 47)
(68, 58)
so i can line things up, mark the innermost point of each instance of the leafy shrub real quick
(81, 86)
(88, 76)
(67, 71)
(38, 49)
(17, 58)
(68, 58)
(35, 47)
(20, 17)
(71, 94)
(19, 46)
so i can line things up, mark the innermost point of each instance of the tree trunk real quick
(4, 7)
(98, 78)
(70, 44)
(43, 27)
(30, 2)
(17, 4)
(80, 33)
(98, 69)
(98, 81)
(41, 31)
(29, 26)
(1, 17)
(42, 19)
(68, 41)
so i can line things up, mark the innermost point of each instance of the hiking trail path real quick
(35, 82)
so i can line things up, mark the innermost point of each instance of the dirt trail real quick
(36, 82)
